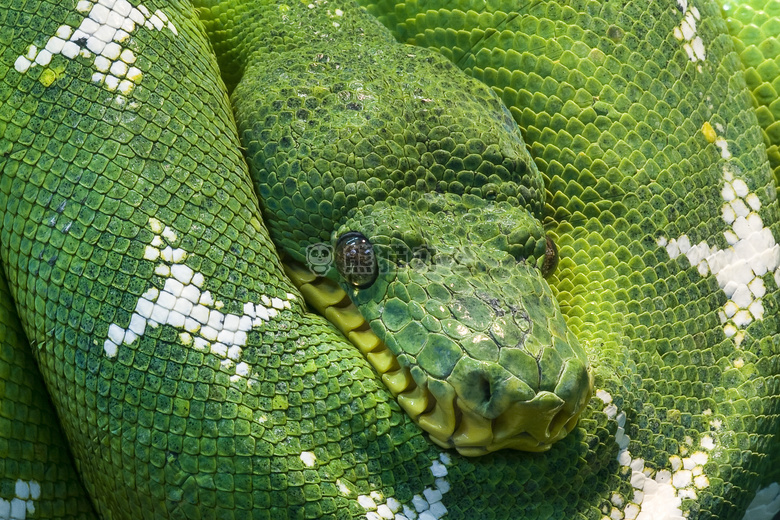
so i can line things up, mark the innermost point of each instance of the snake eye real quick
(550, 261)
(355, 260)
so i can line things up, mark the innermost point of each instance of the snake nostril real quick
(483, 391)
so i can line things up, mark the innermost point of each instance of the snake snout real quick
(498, 410)
(486, 389)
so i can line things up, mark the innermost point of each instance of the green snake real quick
(154, 156)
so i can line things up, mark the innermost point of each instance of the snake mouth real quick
(532, 425)
(434, 405)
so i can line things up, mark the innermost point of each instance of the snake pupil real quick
(550, 261)
(355, 260)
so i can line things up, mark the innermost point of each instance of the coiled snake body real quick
(190, 379)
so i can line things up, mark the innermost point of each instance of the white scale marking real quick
(425, 506)
(686, 31)
(183, 304)
(739, 269)
(657, 495)
(103, 33)
(308, 458)
(17, 508)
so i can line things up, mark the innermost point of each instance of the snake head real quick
(419, 177)
(454, 286)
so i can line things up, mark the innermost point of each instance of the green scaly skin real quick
(36, 464)
(169, 425)
(755, 31)
(336, 146)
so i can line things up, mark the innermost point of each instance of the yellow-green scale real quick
(613, 106)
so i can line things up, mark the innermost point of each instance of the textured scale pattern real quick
(36, 467)
(755, 30)
(617, 124)
(223, 398)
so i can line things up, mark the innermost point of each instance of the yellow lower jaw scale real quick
(383, 360)
(414, 402)
(397, 380)
(365, 340)
(440, 421)
(474, 431)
